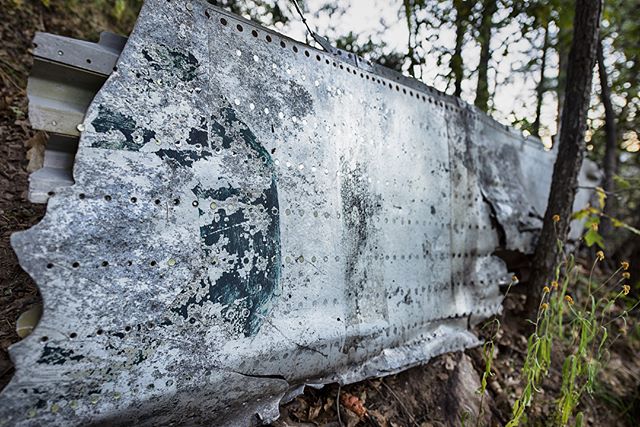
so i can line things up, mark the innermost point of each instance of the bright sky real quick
(367, 18)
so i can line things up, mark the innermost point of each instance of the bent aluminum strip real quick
(250, 214)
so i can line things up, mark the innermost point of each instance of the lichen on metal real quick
(250, 215)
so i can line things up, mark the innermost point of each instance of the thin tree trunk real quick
(562, 47)
(542, 83)
(486, 24)
(610, 149)
(571, 148)
(408, 12)
(457, 64)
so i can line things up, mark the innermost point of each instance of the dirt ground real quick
(440, 393)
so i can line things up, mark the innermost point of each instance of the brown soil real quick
(440, 393)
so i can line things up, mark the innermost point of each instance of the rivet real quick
(171, 262)
(189, 7)
(80, 127)
(238, 52)
(213, 205)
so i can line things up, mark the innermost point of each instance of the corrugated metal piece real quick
(250, 215)
(66, 75)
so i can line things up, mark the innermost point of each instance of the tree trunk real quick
(408, 12)
(457, 64)
(562, 46)
(484, 34)
(610, 149)
(541, 88)
(571, 148)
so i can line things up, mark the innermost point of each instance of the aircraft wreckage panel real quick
(250, 214)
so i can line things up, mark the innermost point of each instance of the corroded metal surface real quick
(250, 215)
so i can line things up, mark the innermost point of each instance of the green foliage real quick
(582, 327)
(592, 218)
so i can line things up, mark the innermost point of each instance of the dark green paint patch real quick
(182, 158)
(57, 356)
(109, 120)
(245, 298)
(230, 129)
(182, 65)
(199, 135)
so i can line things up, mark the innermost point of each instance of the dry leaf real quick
(353, 403)
(35, 153)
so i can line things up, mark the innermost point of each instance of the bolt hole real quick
(239, 27)
(73, 335)
(99, 332)
(49, 265)
(88, 61)
(75, 264)
(133, 200)
(157, 201)
(105, 263)
(44, 339)
(81, 196)
(51, 193)
(268, 37)
(176, 201)
(223, 21)
(283, 44)
(153, 263)
(127, 328)
(254, 33)
(107, 198)
(295, 49)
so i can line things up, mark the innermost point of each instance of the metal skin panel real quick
(250, 215)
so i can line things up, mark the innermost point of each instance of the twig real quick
(338, 405)
(404, 408)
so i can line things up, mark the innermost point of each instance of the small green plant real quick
(584, 330)
(488, 355)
